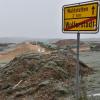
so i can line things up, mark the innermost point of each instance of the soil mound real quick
(20, 49)
(40, 77)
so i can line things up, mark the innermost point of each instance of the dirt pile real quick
(72, 43)
(20, 49)
(66, 42)
(39, 77)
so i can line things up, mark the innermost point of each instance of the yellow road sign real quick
(83, 17)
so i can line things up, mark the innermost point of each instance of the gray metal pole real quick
(78, 69)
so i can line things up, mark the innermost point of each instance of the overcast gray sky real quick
(34, 18)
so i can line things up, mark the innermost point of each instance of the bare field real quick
(93, 60)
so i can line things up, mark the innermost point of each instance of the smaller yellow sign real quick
(81, 17)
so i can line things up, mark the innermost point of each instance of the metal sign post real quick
(78, 69)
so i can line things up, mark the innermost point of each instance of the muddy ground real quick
(92, 58)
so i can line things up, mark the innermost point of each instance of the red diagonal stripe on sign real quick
(78, 24)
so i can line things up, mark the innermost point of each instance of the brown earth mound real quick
(18, 50)
(66, 42)
(39, 77)
(73, 44)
